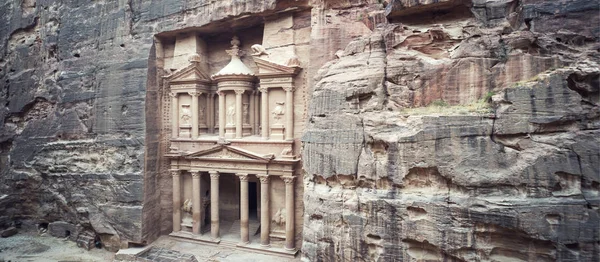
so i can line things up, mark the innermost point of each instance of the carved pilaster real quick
(196, 200)
(195, 96)
(265, 218)
(289, 207)
(221, 114)
(214, 204)
(176, 174)
(238, 113)
(264, 111)
(174, 114)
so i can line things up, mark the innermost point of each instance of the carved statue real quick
(231, 115)
(293, 61)
(278, 111)
(186, 114)
(279, 217)
(187, 206)
(187, 219)
(287, 151)
(201, 114)
(258, 50)
(246, 113)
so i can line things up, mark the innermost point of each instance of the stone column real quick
(221, 114)
(252, 108)
(289, 211)
(289, 113)
(256, 113)
(238, 113)
(265, 218)
(264, 112)
(214, 204)
(176, 200)
(196, 200)
(208, 113)
(174, 115)
(195, 113)
(245, 237)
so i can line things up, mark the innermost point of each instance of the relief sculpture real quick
(231, 115)
(278, 111)
(186, 115)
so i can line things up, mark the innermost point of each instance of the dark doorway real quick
(252, 200)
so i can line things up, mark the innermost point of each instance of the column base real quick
(290, 249)
(244, 243)
(265, 246)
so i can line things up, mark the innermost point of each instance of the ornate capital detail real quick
(175, 173)
(264, 179)
(288, 88)
(173, 95)
(289, 180)
(239, 91)
(195, 174)
(221, 93)
(195, 94)
(214, 175)
(243, 177)
(263, 90)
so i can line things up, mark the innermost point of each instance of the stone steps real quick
(235, 229)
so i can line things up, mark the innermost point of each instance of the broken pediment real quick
(266, 67)
(189, 74)
(229, 152)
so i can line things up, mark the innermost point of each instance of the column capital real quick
(288, 179)
(173, 94)
(195, 94)
(221, 93)
(289, 88)
(264, 178)
(195, 174)
(239, 91)
(214, 174)
(242, 176)
(175, 172)
(263, 89)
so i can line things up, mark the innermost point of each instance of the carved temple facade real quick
(232, 149)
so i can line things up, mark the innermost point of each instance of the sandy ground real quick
(31, 247)
(216, 253)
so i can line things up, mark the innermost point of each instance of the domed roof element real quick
(235, 66)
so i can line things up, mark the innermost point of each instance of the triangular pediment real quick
(226, 152)
(190, 73)
(269, 67)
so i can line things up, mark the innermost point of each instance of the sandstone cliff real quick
(458, 131)
(447, 130)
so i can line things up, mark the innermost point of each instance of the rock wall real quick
(457, 131)
(437, 130)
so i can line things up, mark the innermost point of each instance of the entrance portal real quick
(253, 200)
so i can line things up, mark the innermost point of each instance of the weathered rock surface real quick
(469, 137)
(438, 130)
(78, 146)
